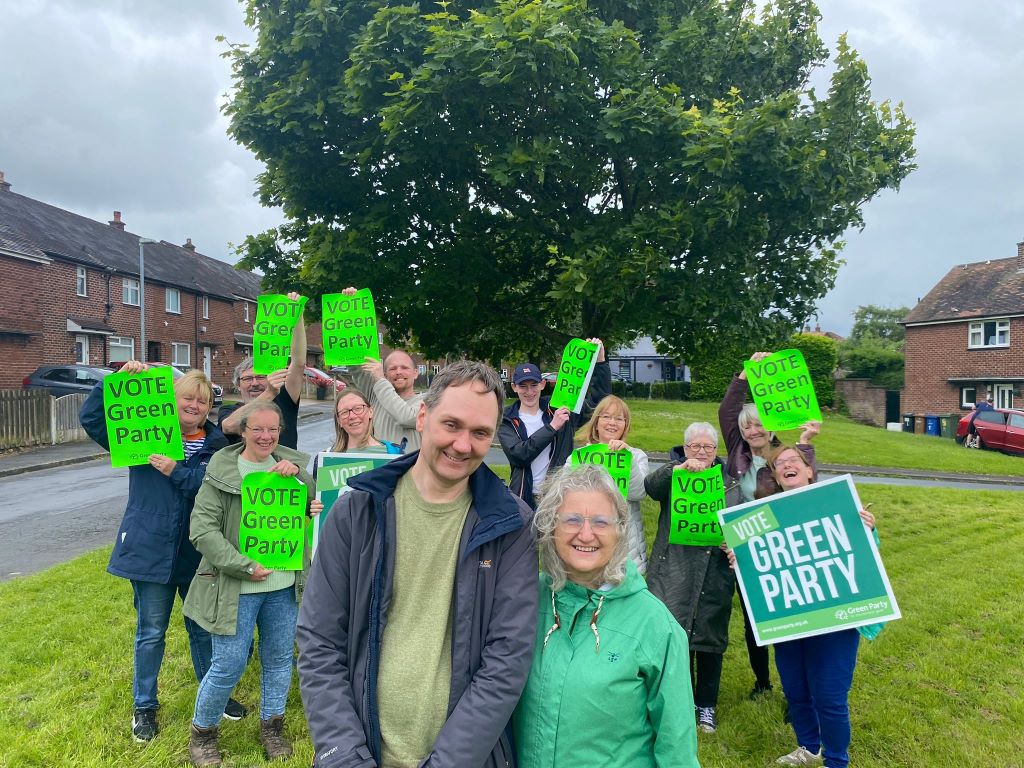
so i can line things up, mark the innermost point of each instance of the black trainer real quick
(235, 710)
(144, 727)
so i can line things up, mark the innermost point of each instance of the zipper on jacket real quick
(373, 650)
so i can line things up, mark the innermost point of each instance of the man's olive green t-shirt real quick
(416, 650)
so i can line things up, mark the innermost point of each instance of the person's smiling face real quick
(611, 424)
(262, 431)
(791, 471)
(529, 393)
(353, 415)
(193, 408)
(456, 433)
(586, 535)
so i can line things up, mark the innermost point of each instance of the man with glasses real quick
(282, 388)
(536, 437)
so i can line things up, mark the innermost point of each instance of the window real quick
(130, 293)
(81, 281)
(422, 369)
(380, 338)
(172, 300)
(1016, 421)
(435, 369)
(504, 374)
(245, 311)
(82, 349)
(121, 348)
(180, 355)
(990, 333)
(992, 417)
(206, 307)
(968, 396)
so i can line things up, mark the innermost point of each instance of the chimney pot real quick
(4, 185)
(188, 245)
(116, 223)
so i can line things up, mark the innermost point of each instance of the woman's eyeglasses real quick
(701, 447)
(355, 410)
(615, 419)
(575, 523)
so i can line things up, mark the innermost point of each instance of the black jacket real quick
(522, 450)
(344, 612)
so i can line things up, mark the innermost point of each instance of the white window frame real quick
(976, 338)
(206, 307)
(245, 311)
(121, 342)
(129, 285)
(176, 347)
(82, 349)
(422, 369)
(435, 369)
(964, 402)
(81, 281)
(174, 307)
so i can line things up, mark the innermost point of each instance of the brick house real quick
(71, 294)
(965, 339)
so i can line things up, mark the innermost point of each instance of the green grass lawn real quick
(657, 425)
(940, 687)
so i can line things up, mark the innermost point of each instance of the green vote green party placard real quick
(782, 390)
(618, 463)
(273, 527)
(142, 416)
(276, 316)
(574, 372)
(332, 476)
(349, 328)
(807, 564)
(696, 499)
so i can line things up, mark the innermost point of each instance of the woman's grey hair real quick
(700, 428)
(246, 365)
(247, 411)
(749, 416)
(558, 485)
(463, 372)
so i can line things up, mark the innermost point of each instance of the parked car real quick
(320, 379)
(218, 390)
(1001, 429)
(61, 380)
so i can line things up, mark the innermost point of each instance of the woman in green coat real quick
(609, 685)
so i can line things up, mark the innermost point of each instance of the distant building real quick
(641, 362)
(965, 339)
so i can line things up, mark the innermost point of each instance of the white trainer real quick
(800, 756)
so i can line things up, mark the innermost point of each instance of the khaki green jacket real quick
(212, 600)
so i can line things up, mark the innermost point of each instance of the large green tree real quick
(506, 173)
(874, 349)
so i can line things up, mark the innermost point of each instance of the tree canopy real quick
(874, 349)
(510, 174)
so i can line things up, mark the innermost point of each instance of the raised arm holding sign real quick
(574, 372)
(276, 317)
(782, 389)
(350, 328)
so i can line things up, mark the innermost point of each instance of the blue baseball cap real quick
(526, 372)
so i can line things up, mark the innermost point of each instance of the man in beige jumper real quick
(389, 387)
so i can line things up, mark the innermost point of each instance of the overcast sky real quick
(114, 105)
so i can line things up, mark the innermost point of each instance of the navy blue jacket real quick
(521, 449)
(152, 542)
(345, 608)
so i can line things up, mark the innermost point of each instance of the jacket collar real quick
(512, 412)
(495, 506)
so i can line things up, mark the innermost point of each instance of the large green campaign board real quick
(141, 415)
(332, 478)
(272, 530)
(806, 563)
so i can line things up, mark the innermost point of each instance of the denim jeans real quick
(275, 614)
(153, 603)
(816, 674)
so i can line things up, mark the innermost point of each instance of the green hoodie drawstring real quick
(558, 624)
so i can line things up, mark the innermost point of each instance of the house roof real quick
(33, 227)
(985, 289)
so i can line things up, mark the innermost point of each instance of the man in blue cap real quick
(536, 437)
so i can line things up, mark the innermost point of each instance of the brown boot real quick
(202, 746)
(272, 738)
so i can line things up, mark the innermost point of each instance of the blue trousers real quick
(275, 614)
(816, 674)
(153, 603)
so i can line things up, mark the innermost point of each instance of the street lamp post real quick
(143, 241)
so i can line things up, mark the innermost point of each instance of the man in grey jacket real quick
(417, 625)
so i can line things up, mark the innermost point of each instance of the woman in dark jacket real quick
(152, 549)
(695, 582)
(747, 445)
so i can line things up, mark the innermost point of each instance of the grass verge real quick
(939, 688)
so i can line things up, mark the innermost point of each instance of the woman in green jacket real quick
(233, 594)
(610, 681)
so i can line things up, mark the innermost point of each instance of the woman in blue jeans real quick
(817, 672)
(232, 595)
(152, 548)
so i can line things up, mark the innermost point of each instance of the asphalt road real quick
(50, 516)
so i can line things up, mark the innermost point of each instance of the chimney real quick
(188, 245)
(117, 223)
(1020, 245)
(4, 185)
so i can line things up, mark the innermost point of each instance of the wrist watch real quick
(251, 570)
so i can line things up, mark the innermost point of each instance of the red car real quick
(1001, 429)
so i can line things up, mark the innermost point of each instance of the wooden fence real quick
(33, 417)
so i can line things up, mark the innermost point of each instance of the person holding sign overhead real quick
(536, 437)
(283, 388)
(695, 581)
(817, 671)
(609, 425)
(747, 445)
(152, 548)
(232, 594)
(608, 683)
